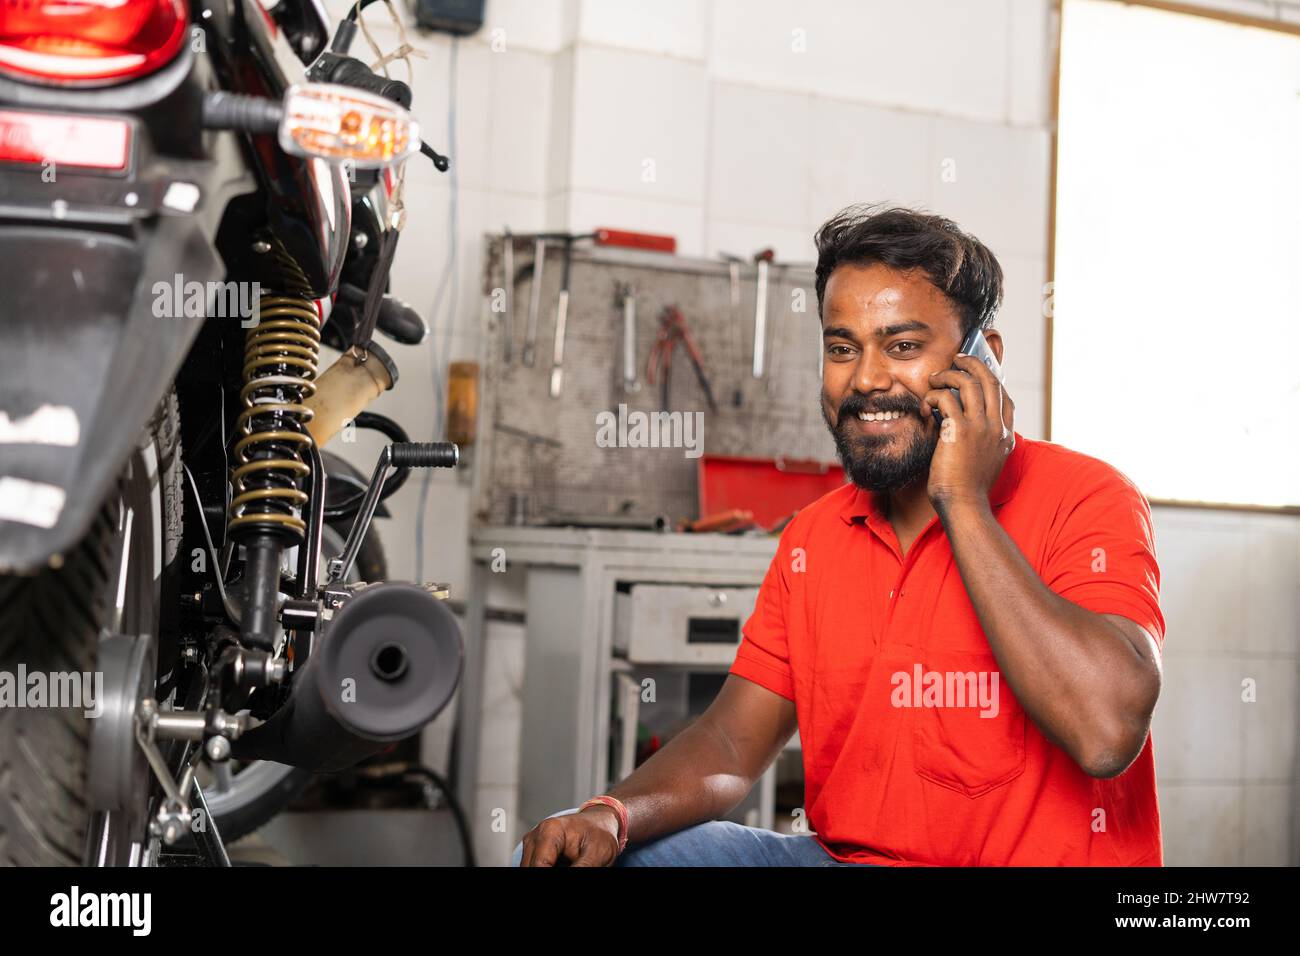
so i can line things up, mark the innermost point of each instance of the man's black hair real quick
(956, 262)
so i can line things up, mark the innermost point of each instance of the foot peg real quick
(397, 455)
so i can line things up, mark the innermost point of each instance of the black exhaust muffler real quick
(385, 666)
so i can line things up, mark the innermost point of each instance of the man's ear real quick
(994, 339)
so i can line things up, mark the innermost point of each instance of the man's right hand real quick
(699, 775)
(589, 838)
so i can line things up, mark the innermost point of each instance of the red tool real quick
(672, 329)
(635, 240)
(735, 519)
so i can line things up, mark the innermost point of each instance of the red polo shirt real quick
(845, 625)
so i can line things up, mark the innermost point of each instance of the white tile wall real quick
(928, 55)
(1022, 323)
(993, 181)
(476, 67)
(521, 213)
(1029, 415)
(1031, 60)
(1202, 582)
(545, 25)
(1229, 585)
(862, 153)
(746, 238)
(519, 121)
(1265, 809)
(760, 146)
(755, 42)
(585, 210)
(420, 270)
(559, 148)
(1270, 721)
(639, 125)
(1271, 586)
(1197, 727)
(1202, 824)
(676, 28)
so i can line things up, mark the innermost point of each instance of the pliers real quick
(672, 329)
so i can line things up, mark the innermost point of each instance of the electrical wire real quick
(231, 610)
(358, 7)
(438, 357)
(348, 507)
(449, 276)
(403, 52)
(457, 812)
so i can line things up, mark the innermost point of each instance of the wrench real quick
(534, 303)
(628, 297)
(763, 259)
(508, 321)
(561, 321)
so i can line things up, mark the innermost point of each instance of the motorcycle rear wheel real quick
(52, 622)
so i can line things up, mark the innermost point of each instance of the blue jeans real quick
(719, 843)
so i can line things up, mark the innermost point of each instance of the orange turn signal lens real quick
(344, 125)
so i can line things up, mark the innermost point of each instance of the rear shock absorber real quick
(280, 367)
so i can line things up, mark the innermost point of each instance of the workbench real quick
(572, 577)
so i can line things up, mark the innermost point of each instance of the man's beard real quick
(867, 459)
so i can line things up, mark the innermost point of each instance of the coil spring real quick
(280, 367)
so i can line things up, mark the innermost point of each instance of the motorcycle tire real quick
(50, 622)
(261, 791)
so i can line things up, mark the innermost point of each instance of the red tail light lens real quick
(65, 139)
(88, 42)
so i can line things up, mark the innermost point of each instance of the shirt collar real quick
(865, 505)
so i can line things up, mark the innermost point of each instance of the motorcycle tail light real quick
(64, 140)
(344, 125)
(89, 42)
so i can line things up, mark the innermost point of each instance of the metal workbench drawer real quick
(681, 624)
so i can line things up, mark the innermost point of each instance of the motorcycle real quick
(195, 197)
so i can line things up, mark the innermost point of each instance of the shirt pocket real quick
(973, 743)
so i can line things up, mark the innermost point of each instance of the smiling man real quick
(967, 635)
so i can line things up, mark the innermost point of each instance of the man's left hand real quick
(976, 436)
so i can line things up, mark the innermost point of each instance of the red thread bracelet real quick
(616, 805)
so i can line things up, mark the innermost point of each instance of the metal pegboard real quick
(560, 469)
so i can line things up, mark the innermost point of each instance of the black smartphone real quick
(974, 344)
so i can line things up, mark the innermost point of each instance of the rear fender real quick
(84, 363)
